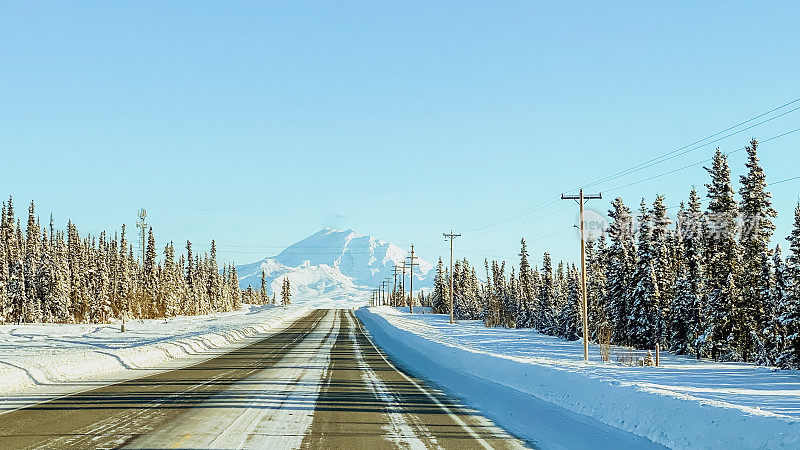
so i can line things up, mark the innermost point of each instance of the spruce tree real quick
(570, 321)
(5, 305)
(526, 302)
(775, 332)
(286, 292)
(150, 278)
(663, 244)
(687, 305)
(440, 294)
(16, 280)
(510, 302)
(621, 262)
(263, 295)
(31, 262)
(757, 227)
(790, 319)
(645, 297)
(546, 322)
(725, 320)
(596, 286)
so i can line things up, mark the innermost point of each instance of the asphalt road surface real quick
(318, 384)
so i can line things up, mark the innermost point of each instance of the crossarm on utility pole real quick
(411, 265)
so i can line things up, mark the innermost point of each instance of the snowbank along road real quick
(319, 383)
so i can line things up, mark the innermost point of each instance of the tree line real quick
(50, 275)
(708, 285)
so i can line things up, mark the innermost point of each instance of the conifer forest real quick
(711, 283)
(51, 275)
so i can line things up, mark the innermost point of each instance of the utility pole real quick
(388, 297)
(411, 279)
(141, 224)
(403, 283)
(383, 285)
(581, 199)
(394, 288)
(451, 236)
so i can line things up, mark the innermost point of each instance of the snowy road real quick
(319, 383)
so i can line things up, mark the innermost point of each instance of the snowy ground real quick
(682, 403)
(60, 358)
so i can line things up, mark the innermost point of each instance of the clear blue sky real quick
(257, 123)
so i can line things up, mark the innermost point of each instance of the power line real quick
(649, 163)
(695, 163)
(659, 175)
(672, 154)
(783, 181)
(523, 223)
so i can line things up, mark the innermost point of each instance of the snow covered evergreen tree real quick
(645, 298)
(440, 291)
(664, 264)
(725, 320)
(569, 318)
(775, 332)
(286, 292)
(596, 286)
(527, 294)
(5, 305)
(546, 322)
(790, 319)
(32, 305)
(755, 277)
(621, 260)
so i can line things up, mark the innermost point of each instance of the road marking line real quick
(455, 418)
(401, 431)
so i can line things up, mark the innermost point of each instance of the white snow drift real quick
(37, 355)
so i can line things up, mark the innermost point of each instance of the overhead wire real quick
(646, 164)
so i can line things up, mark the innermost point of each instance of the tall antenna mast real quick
(142, 225)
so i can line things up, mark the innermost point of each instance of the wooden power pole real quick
(388, 297)
(581, 199)
(451, 236)
(403, 283)
(411, 279)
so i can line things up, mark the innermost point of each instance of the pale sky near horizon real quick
(258, 124)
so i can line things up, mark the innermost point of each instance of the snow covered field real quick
(58, 357)
(536, 385)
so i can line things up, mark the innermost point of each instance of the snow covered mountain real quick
(335, 264)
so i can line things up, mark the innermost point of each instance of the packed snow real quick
(333, 263)
(34, 357)
(513, 375)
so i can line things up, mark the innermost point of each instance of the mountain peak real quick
(362, 260)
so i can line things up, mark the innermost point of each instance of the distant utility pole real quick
(142, 225)
(411, 279)
(403, 283)
(388, 297)
(383, 298)
(451, 236)
(581, 199)
(394, 288)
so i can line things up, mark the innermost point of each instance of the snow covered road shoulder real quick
(538, 388)
(43, 358)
